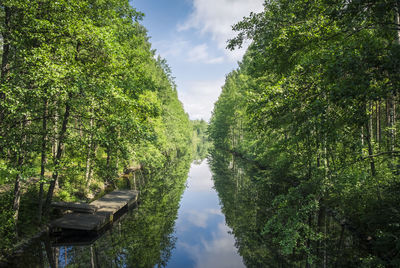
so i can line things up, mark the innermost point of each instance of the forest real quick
(306, 135)
(303, 141)
(83, 98)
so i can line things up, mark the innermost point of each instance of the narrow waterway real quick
(203, 238)
(174, 226)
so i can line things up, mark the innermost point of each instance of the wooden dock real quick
(96, 215)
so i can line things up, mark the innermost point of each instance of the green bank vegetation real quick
(82, 98)
(313, 111)
(200, 141)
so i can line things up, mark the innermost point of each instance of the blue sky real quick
(191, 35)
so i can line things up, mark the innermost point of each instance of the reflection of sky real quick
(203, 238)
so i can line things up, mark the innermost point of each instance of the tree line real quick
(200, 140)
(82, 97)
(313, 109)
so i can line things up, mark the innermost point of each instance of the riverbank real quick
(143, 236)
(131, 178)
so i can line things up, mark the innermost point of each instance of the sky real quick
(192, 36)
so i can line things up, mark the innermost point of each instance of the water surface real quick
(203, 238)
(173, 226)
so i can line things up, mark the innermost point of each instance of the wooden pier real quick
(96, 215)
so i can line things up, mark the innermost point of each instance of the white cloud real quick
(187, 51)
(198, 97)
(217, 252)
(200, 54)
(199, 218)
(216, 17)
(174, 48)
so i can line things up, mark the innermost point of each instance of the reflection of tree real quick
(149, 238)
(248, 202)
(200, 140)
(244, 210)
(143, 238)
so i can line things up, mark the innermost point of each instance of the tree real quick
(319, 77)
(82, 98)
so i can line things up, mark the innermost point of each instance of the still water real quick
(178, 223)
(203, 239)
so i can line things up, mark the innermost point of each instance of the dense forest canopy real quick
(313, 108)
(82, 97)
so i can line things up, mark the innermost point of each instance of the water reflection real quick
(247, 197)
(245, 211)
(143, 238)
(203, 239)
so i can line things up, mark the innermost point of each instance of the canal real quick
(203, 238)
(202, 214)
(178, 223)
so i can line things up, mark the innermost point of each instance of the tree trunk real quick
(56, 256)
(65, 256)
(371, 115)
(378, 122)
(17, 198)
(5, 56)
(55, 130)
(17, 185)
(49, 252)
(372, 161)
(391, 123)
(370, 151)
(108, 164)
(362, 141)
(95, 147)
(394, 123)
(57, 159)
(397, 21)
(89, 155)
(116, 156)
(43, 159)
(6, 43)
(92, 257)
(134, 180)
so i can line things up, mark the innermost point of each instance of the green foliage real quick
(312, 107)
(200, 140)
(82, 97)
